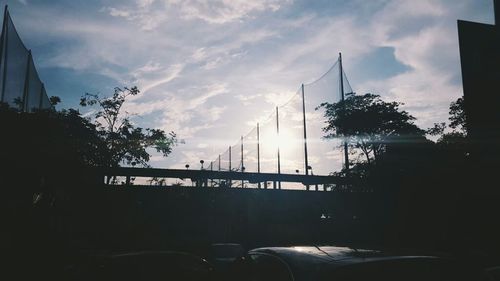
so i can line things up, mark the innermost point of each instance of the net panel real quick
(325, 155)
(268, 144)
(250, 156)
(19, 79)
(15, 65)
(291, 135)
(236, 157)
(34, 94)
(45, 99)
(224, 161)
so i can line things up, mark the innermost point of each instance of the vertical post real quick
(219, 170)
(346, 152)
(258, 151)
(230, 159)
(305, 131)
(229, 183)
(278, 142)
(211, 177)
(5, 41)
(242, 164)
(496, 9)
(3, 34)
(25, 99)
(241, 153)
(306, 162)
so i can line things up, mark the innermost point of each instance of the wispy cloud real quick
(210, 70)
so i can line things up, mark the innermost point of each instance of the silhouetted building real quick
(480, 60)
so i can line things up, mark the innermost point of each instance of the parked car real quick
(149, 265)
(346, 264)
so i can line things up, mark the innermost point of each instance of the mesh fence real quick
(20, 85)
(268, 144)
(301, 114)
(236, 156)
(291, 136)
(250, 151)
(325, 155)
(224, 161)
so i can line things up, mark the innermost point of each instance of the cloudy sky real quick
(208, 68)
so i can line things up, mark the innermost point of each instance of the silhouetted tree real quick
(458, 125)
(126, 143)
(368, 124)
(458, 119)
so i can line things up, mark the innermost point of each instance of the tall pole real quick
(496, 8)
(25, 100)
(242, 164)
(278, 142)
(211, 170)
(346, 152)
(258, 151)
(5, 41)
(229, 181)
(219, 169)
(230, 159)
(258, 148)
(306, 162)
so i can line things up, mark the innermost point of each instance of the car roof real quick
(312, 258)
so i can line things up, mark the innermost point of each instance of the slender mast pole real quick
(219, 169)
(25, 100)
(230, 159)
(258, 151)
(242, 165)
(258, 148)
(230, 182)
(306, 162)
(278, 137)
(211, 170)
(346, 152)
(5, 41)
(305, 130)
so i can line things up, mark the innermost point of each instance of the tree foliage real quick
(125, 142)
(457, 131)
(369, 124)
(458, 119)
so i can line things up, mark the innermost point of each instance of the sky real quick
(208, 70)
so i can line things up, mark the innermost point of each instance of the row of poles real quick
(3, 59)
(306, 160)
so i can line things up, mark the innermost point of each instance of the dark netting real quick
(2, 60)
(268, 145)
(236, 154)
(45, 99)
(34, 89)
(325, 155)
(250, 156)
(291, 135)
(20, 85)
(224, 161)
(15, 63)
